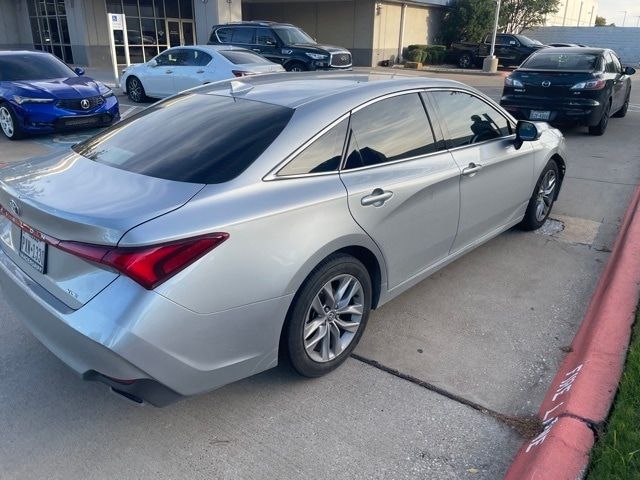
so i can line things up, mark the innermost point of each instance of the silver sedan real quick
(242, 223)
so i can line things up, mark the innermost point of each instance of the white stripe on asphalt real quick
(127, 111)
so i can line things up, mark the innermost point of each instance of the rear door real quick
(402, 184)
(497, 179)
(192, 69)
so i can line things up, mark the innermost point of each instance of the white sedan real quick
(181, 68)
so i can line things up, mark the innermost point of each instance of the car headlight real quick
(317, 56)
(20, 100)
(107, 93)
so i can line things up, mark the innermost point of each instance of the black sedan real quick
(573, 86)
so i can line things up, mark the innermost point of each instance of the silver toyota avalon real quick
(240, 224)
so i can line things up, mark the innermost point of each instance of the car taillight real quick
(240, 73)
(512, 82)
(597, 84)
(150, 265)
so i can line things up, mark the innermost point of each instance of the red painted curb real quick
(586, 382)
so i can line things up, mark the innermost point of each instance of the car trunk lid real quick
(550, 83)
(70, 198)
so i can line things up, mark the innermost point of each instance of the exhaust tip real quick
(128, 396)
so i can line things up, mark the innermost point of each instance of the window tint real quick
(32, 67)
(224, 35)
(469, 119)
(265, 36)
(242, 57)
(584, 62)
(195, 58)
(502, 39)
(242, 35)
(203, 150)
(616, 63)
(323, 155)
(391, 129)
(173, 58)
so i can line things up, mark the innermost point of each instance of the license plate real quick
(70, 122)
(540, 115)
(34, 251)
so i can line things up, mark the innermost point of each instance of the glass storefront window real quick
(148, 24)
(49, 28)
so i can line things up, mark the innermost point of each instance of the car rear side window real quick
(195, 58)
(392, 129)
(323, 155)
(222, 137)
(242, 35)
(242, 57)
(468, 119)
(223, 34)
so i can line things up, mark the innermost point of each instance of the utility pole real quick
(624, 20)
(490, 63)
(591, 19)
(566, 7)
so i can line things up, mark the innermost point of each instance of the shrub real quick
(414, 55)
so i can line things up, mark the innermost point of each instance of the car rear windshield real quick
(563, 61)
(19, 67)
(240, 57)
(195, 137)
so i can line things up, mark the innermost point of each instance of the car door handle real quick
(472, 169)
(377, 198)
(256, 49)
(199, 71)
(168, 71)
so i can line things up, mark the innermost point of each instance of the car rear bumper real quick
(563, 111)
(45, 118)
(140, 343)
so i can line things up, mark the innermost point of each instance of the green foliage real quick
(427, 54)
(414, 55)
(471, 20)
(616, 456)
(601, 21)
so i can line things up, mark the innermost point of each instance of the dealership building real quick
(77, 31)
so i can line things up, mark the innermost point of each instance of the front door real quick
(403, 187)
(497, 180)
(180, 32)
(159, 80)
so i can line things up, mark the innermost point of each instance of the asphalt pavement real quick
(488, 329)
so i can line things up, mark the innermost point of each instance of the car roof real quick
(338, 88)
(255, 23)
(582, 50)
(22, 52)
(212, 48)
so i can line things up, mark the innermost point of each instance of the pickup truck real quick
(511, 50)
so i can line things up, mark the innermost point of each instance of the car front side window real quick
(468, 119)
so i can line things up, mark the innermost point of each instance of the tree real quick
(519, 15)
(468, 20)
(601, 21)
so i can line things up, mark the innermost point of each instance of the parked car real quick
(575, 86)
(181, 68)
(511, 50)
(565, 45)
(284, 44)
(185, 255)
(40, 94)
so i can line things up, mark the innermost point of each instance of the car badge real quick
(13, 205)
(546, 83)
(84, 103)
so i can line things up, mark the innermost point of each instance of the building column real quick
(208, 13)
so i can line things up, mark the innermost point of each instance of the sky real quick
(612, 10)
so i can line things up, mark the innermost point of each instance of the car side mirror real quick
(629, 71)
(526, 132)
(152, 63)
(79, 71)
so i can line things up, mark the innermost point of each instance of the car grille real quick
(85, 121)
(76, 103)
(341, 60)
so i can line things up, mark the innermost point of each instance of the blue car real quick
(40, 94)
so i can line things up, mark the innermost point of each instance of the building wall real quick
(88, 29)
(624, 41)
(15, 31)
(347, 24)
(574, 13)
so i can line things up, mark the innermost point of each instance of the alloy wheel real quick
(333, 318)
(546, 195)
(135, 89)
(6, 122)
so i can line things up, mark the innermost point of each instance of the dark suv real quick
(282, 43)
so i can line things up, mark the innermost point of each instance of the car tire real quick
(135, 90)
(296, 67)
(9, 123)
(623, 111)
(602, 125)
(465, 60)
(543, 198)
(317, 338)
